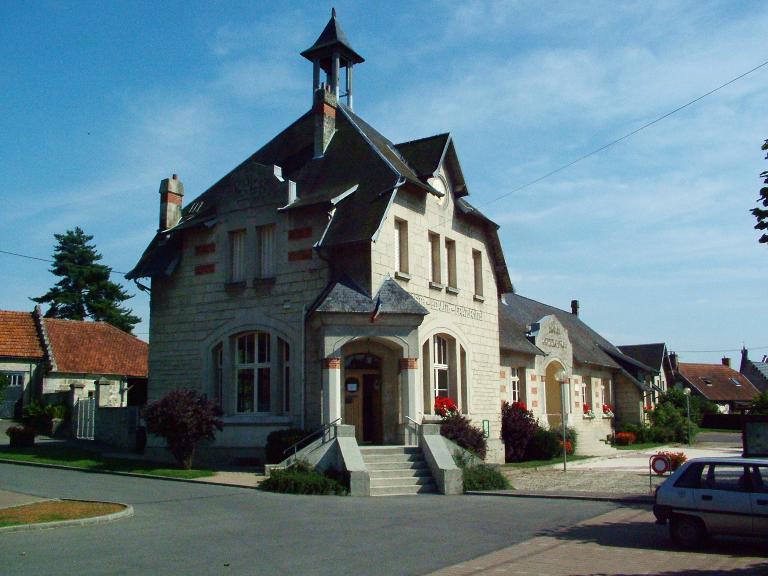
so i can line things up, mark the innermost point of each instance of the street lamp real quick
(560, 376)
(687, 392)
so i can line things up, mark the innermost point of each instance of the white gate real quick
(85, 415)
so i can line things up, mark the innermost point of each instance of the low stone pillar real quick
(331, 389)
(409, 378)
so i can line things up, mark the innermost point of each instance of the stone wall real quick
(472, 321)
(116, 426)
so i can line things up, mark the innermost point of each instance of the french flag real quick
(376, 310)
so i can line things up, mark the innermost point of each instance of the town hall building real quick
(337, 277)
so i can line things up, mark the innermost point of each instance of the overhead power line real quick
(28, 257)
(622, 138)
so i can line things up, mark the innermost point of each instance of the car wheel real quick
(686, 531)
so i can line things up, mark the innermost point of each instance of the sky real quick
(102, 100)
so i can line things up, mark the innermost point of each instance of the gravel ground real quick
(603, 481)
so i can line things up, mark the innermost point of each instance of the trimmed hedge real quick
(302, 479)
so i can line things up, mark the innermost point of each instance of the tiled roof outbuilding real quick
(18, 336)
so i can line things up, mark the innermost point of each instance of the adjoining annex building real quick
(335, 277)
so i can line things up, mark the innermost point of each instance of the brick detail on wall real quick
(299, 233)
(297, 255)
(502, 374)
(408, 364)
(534, 390)
(202, 269)
(331, 363)
(533, 377)
(535, 404)
(201, 249)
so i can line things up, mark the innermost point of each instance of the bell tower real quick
(330, 53)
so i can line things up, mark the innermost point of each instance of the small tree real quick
(85, 290)
(760, 404)
(762, 213)
(517, 428)
(183, 418)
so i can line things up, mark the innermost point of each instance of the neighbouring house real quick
(716, 382)
(537, 341)
(337, 277)
(60, 361)
(655, 356)
(754, 370)
(21, 360)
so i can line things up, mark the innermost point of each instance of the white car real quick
(708, 496)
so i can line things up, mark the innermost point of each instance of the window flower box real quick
(588, 413)
(607, 411)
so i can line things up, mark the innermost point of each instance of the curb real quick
(125, 513)
(628, 499)
(118, 473)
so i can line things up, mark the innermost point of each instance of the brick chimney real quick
(171, 192)
(325, 118)
(673, 361)
(726, 361)
(575, 307)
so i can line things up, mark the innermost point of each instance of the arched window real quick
(444, 372)
(262, 374)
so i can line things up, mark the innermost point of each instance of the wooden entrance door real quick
(362, 405)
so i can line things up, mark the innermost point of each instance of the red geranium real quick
(607, 409)
(520, 406)
(587, 408)
(445, 407)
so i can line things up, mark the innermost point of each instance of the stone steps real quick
(397, 470)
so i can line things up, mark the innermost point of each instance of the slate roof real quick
(589, 347)
(95, 348)
(512, 333)
(344, 296)
(649, 354)
(717, 382)
(357, 156)
(332, 36)
(425, 154)
(18, 336)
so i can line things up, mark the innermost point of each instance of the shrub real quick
(183, 418)
(642, 432)
(544, 445)
(480, 476)
(570, 437)
(5, 381)
(280, 440)
(456, 427)
(624, 438)
(517, 428)
(37, 416)
(669, 424)
(302, 479)
(21, 436)
(760, 404)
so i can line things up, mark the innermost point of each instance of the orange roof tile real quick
(718, 382)
(95, 348)
(18, 335)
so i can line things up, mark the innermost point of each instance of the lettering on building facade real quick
(448, 307)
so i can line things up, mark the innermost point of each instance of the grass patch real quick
(721, 430)
(536, 463)
(642, 446)
(79, 458)
(54, 511)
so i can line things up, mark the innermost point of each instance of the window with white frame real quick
(434, 248)
(265, 251)
(514, 385)
(440, 367)
(401, 246)
(237, 256)
(477, 261)
(253, 364)
(15, 379)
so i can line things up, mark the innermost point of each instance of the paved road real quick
(183, 528)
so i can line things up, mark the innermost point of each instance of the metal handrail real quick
(295, 446)
(416, 425)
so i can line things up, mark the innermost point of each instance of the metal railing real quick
(417, 426)
(322, 430)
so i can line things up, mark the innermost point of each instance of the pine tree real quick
(85, 290)
(762, 213)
